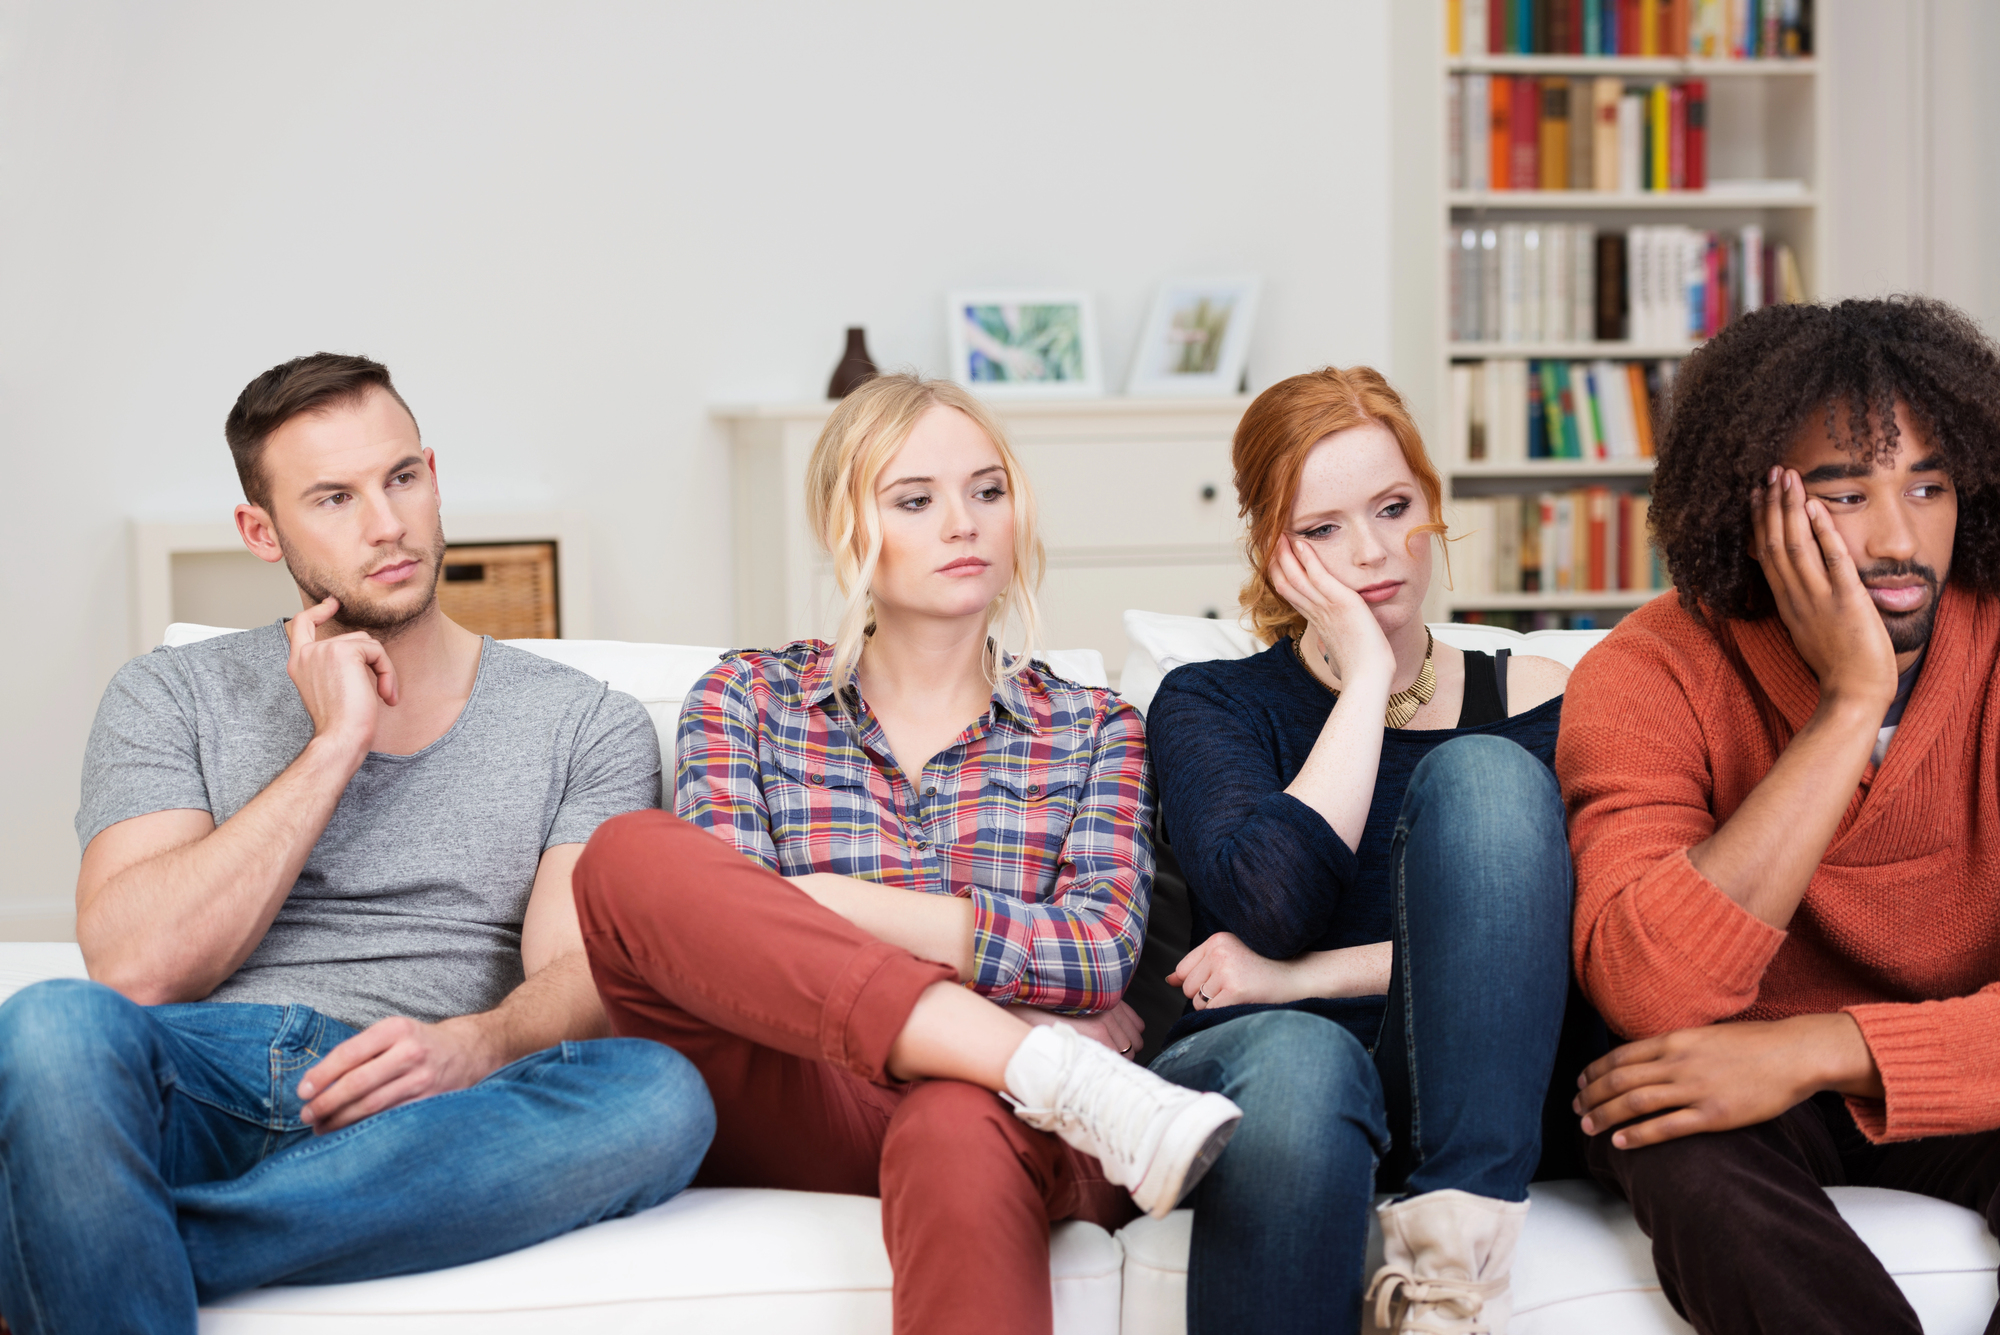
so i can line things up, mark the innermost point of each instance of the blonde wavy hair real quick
(1278, 431)
(860, 439)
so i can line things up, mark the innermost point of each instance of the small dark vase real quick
(855, 366)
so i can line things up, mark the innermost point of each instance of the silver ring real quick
(1127, 1048)
(1205, 997)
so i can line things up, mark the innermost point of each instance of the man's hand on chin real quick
(1721, 1077)
(394, 1061)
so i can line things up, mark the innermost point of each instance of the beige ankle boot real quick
(1446, 1256)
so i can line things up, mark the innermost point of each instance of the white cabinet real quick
(1137, 510)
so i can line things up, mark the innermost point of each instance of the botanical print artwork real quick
(1196, 334)
(1017, 343)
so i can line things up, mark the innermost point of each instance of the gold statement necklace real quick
(1404, 704)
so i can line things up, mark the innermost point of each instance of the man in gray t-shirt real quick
(325, 904)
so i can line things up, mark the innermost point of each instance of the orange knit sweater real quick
(1900, 926)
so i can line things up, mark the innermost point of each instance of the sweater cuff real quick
(1923, 1087)
(1690, 915)
(1315, 837)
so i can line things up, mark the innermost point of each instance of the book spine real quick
(1597, 501)
(1496, 26)
(1534, 269)
(1513, 260)
(1552, 135)
(1551, 579)
(1454, 27)
(1610, 285)
(1676, 137)
(1659, 122)
(1584, 403)
(1582, 132)
(1583, 281)
(1489, 284)
(1593, 27)
(1631, 142)
(1553, 444)
(1642, 407)
(1555, 282)
(1476, 440)
(1531, 544)
(1500, 134)
(1538, 426)
(1506, 544)
(1604, 134)
(1755, 274)
(1454, 120)
(1472, 27)
(1565, 542)
(1697, 135)
(1477, 131)
(1558, 12)
(1527, 168)
(1461, 413)
(1649, 27)
(1623, 546)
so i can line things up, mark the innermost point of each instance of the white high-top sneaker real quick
(1153, 1138)
(1446, 1261)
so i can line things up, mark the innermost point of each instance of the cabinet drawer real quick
(1083, 607)
(1164, 493)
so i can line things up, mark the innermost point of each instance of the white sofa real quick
(747, 1262)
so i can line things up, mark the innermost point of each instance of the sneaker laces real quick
(1457, 1299)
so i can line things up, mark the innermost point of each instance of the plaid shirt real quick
(1040, 813)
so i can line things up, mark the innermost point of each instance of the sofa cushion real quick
(1161, 642)
(1583, 1267)
(710, 1260)
(659, 676)
(735, 1260)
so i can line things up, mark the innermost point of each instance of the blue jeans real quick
(152, 1157)
(1452, 1095)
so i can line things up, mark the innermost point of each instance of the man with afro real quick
(1784, 797)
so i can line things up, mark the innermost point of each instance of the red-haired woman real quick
(1373, 842)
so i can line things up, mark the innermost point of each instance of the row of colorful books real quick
(1590, 540)
(1548, 282)
(1540, 619)
(1705, 29)
(1510, 410)
(1514, 132)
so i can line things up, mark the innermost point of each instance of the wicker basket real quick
(506, 590)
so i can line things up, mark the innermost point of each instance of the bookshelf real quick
(1766, 125)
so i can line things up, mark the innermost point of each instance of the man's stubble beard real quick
(1908, 631)
(357, 609)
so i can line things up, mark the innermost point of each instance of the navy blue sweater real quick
(1227, 737)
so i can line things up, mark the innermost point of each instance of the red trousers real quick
(789, 1010)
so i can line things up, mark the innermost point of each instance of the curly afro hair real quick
(1741, 399)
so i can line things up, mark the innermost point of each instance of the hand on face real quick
(339, 679)
(1832, 620)
(1340, 619)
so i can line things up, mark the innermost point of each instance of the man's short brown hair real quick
(301, 385)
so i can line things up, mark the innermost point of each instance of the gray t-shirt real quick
(412, 900)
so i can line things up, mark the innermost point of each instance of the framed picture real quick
(1010, 344)
(1197, 338)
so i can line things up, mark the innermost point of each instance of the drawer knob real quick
(1208, 492)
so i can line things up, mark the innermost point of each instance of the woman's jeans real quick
(152, 1157)
(1452, 1095)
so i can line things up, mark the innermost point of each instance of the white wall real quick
(569, 228)
(1914, 169)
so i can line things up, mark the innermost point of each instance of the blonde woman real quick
(898, 859)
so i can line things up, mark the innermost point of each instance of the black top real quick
(1227, 737)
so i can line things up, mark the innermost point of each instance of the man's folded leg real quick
(563, 1138)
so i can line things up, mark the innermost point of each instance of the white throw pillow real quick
(1162, 642)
